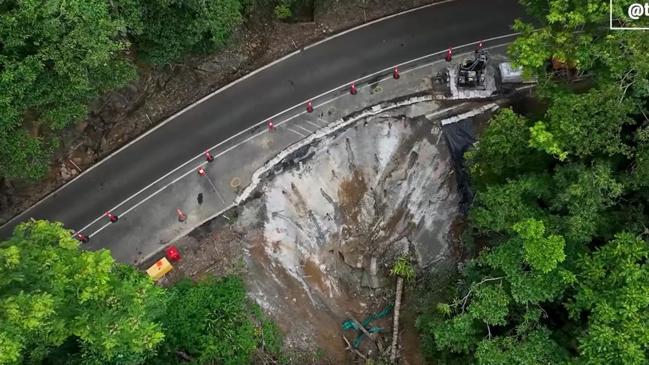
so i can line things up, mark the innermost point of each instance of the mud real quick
(330, 220)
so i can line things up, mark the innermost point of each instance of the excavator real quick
(471, 72)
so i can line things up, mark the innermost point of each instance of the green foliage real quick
(55, 57)
(498, 207)
(544, 140)
(531, 348)
(584, 124)
(51, 292)
(583, 193)
(556, 283)
(504, 146)
(283, 11)
(490, 305)
(542, 253)
(172, 29)
(403, 268)
(212, 321)
(526, 284)
(612, 292)
(286, 9)
(23, 156)
(576, 32)
(639, 177)
(457, 334)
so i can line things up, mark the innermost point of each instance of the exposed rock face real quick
(336, 216)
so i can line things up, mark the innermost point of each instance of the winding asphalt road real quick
(282, 85)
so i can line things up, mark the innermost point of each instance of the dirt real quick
(315, 248)
(120, 116)
(350, 194)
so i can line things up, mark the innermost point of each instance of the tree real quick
(503, 151)
(51, 293)
(498, 207)
(554, 282)
(54, 58)
(57, 56)
(212, 321)
(172, 29)
(499, 320)
(612, 295)
(534, 347)
(402, 269)
(584, 124)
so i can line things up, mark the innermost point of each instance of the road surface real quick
(280, 86)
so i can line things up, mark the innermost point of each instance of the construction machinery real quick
(471, 72)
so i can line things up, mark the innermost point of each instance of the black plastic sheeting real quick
(459, 137)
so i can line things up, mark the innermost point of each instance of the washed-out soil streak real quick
(316, 241)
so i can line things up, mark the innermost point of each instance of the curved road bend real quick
(308, 73)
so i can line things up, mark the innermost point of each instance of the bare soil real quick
(315, 248)
(120, 116)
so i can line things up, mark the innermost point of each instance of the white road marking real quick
(99, 230)
(263, 122)
(296, 132)
(377, 21)
(313, 124)
(189, 172)
(250, 138)
(210, 95)
(304, 129)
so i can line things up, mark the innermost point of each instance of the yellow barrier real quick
(159, 269)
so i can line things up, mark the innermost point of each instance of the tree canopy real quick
(560, 207)
(58, 56)
(54, 58)
(63, 305)
(213, 321)
(172, 29)
(51, 293)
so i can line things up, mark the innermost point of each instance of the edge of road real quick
(278, 123)
(241, 198)
(216, 92)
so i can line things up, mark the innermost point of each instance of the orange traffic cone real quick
(82, 237)
(449, 55)
(181, 216)
(112, 217)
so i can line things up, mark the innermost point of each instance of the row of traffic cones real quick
(113, 218)
(353, 90)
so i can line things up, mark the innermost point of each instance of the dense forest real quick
(558, 225)
(56, 57)
(559, 271)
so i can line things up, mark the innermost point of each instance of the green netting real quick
(351, 325)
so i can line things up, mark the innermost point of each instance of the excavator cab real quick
(471, 71)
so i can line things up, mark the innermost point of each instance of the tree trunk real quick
(395, 324)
